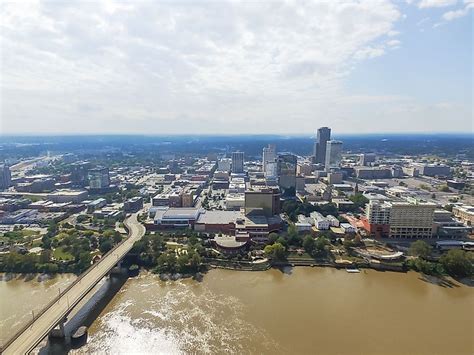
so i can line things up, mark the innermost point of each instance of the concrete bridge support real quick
(58, 330)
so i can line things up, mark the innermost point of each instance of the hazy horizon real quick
(295, 135)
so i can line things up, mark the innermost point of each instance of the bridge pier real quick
(58, 331)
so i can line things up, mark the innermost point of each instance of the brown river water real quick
(299, 311)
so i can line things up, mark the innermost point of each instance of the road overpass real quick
(27, 338)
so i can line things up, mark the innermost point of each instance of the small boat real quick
(352, 270)
(80, 335)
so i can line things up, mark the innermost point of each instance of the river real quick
(21, 296)
(299, 311)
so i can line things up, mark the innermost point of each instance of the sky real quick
(233, 67)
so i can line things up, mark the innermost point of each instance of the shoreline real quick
(233, 266)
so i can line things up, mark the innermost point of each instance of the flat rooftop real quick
(229, 242)
(219, 217)
(177, 213)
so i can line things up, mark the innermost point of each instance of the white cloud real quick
(369, 52)
(424, 4)
(452, 15)
(394, 43)
(189, 67)
(169, 67)
(421, 22)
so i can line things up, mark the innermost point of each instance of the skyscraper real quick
(269, 155)
(323, 136)
(79, 173)
(287, 174)
(333, 154)
(5, 177)
(238, 162)
(99, 178)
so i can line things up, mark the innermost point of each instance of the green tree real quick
(183, 261)
(320, 246)
(282, 241)
(82, 218)
(424, 187)
(46, 242)
(272, 237)
(117, 238)
(309, 244)
(171, 262)
(275, 251)
(105, 246)
(457, 263)
(348, 244)
(52, 228)
(45, 256)
(420, 248)
(292, 231)
(193, 240)
(359, 200)
(444, 188)
(157, 242)
(195, 262)
(293, 236)
(426, 267)
(84, 261)
(109, 233)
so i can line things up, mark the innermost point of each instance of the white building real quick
(465, 214)
(234, 201)
(333, 154)
(347, 228)
(271, 170)
(269, 155)
(176, 217)
(333, 220)
(378, 212)
(224, 164)
(319, 221)
(237, 185)
(303, 224)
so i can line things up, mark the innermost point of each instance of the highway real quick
(26, 340)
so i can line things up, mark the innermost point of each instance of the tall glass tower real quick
(323, 136)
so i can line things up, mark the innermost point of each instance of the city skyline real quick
(191, 176)
(223, 69)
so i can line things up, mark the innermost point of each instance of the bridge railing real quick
(61, 294)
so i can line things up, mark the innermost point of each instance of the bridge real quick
(55, 313)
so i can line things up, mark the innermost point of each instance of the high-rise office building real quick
(411, 219)
(323, 136)
(5, 177)
(269, 155)
(224, 164)
(287, 174)
(79, 173)
(99, 178)
(271, 171)
(366, 158)
(264, 201)
(395, 219)
(238, 162)
(333, 154)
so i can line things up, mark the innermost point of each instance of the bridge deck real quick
(28, 338)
